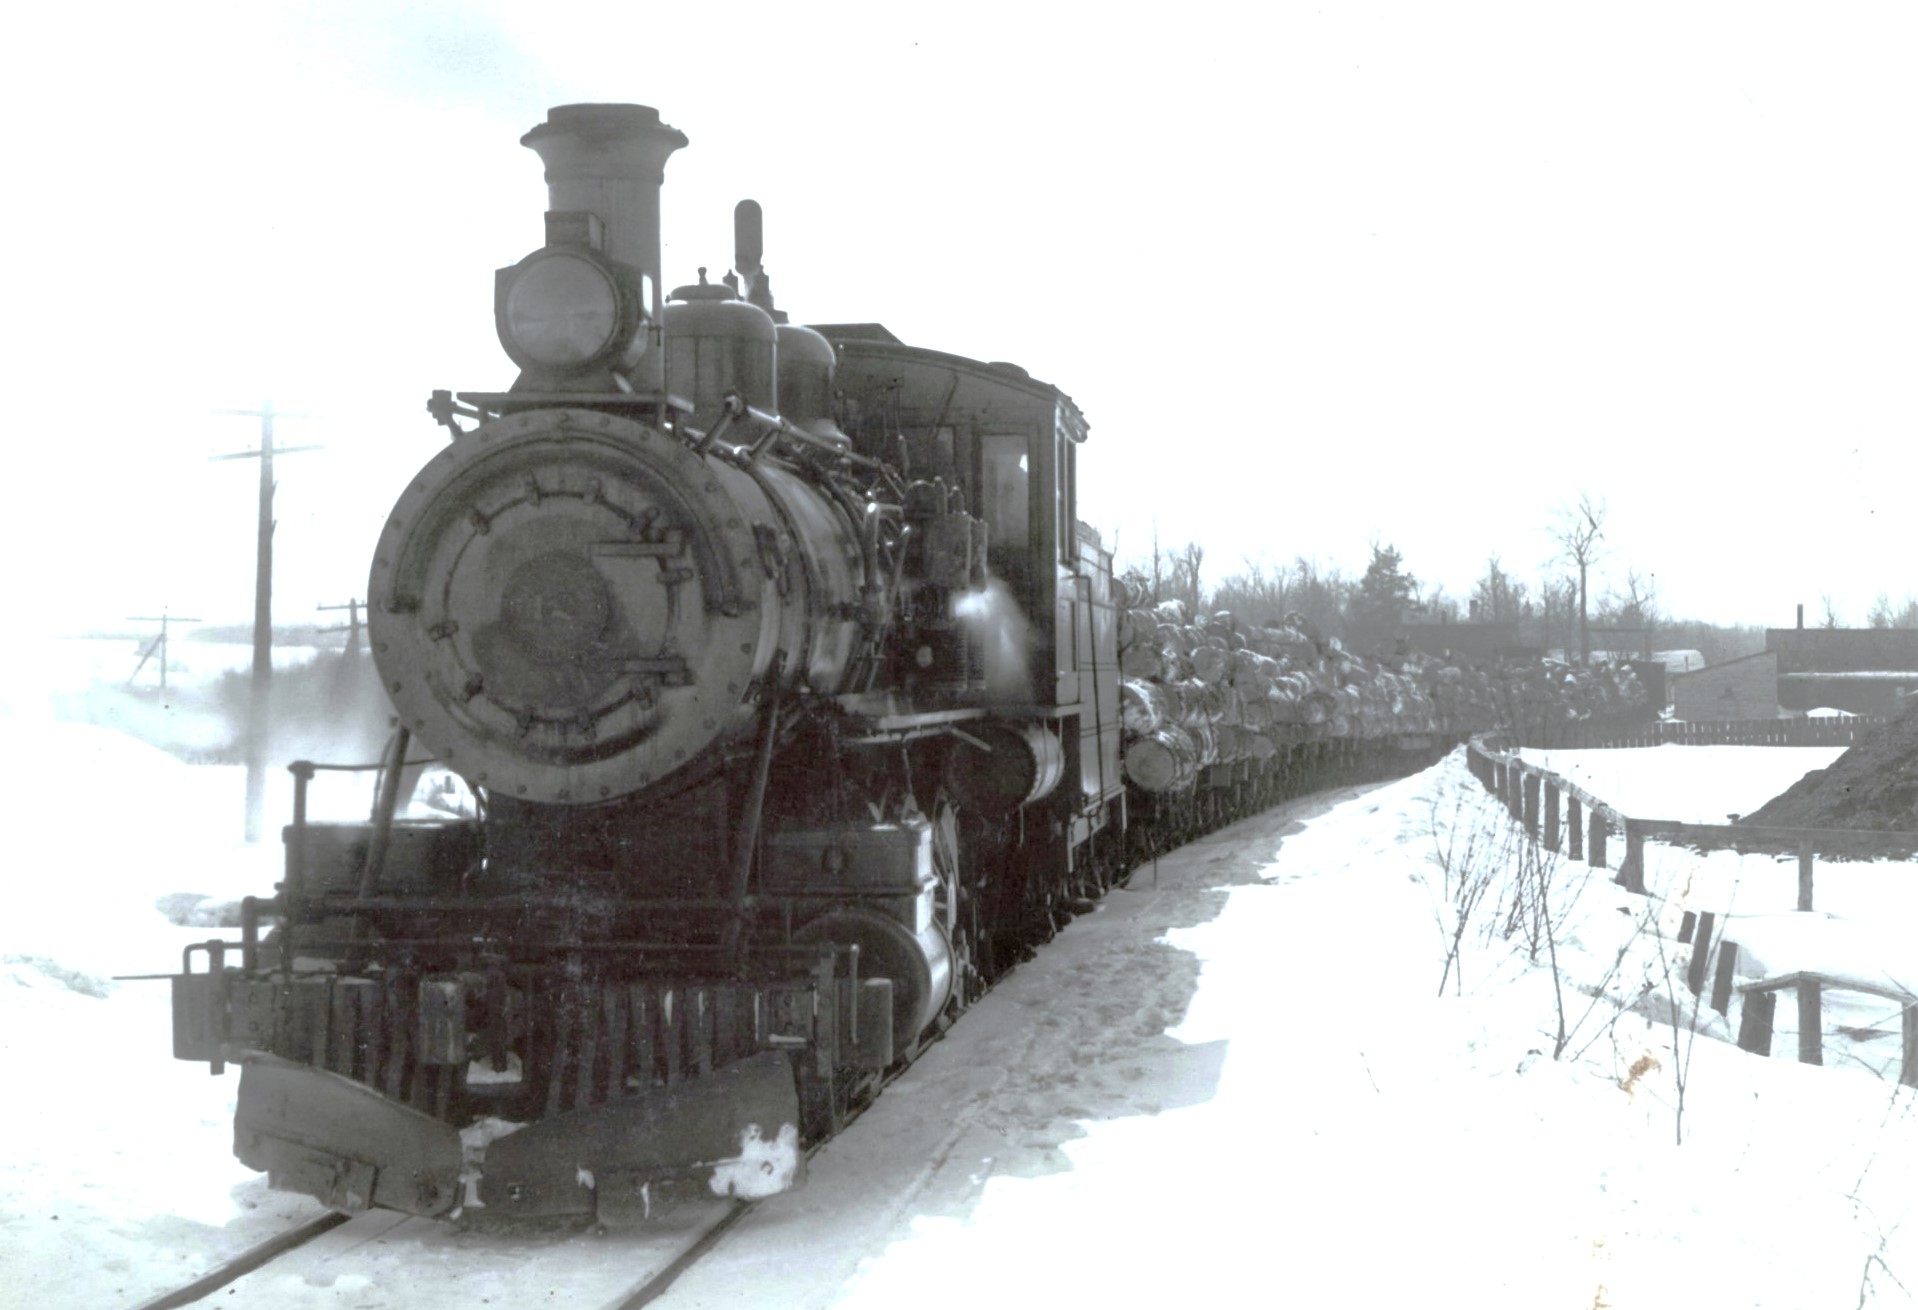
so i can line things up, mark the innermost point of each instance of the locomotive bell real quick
(716, 343)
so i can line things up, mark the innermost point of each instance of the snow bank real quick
(1371, 1143)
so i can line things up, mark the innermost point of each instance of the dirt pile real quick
(1873, 785)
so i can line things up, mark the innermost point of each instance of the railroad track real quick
(245, 1263)
(662, 1254)
(666, 1251)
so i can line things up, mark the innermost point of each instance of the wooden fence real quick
(1558, 814)
(1731, 732)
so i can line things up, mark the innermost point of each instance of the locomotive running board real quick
(733, 1133)
(342, 1142)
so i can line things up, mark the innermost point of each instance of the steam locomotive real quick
(787, 681)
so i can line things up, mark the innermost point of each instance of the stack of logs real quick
(1213, 692)
(1210, 691)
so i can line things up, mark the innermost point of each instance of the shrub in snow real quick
(196, 910)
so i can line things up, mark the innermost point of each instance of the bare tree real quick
(1580, 530)
(1186, 564)
(1638, 607)
(1832, 619)
(1497, 597)
(1266, 593)
(1554, 611)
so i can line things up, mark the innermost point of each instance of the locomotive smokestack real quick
(610, 160)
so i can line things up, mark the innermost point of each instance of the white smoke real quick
(993, 620)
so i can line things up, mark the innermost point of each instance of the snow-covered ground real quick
(1235, 1083)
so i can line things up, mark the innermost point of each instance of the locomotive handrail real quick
(730, 409)
(1098, 750)
(316, 767)
(748, 839)
(385, 805)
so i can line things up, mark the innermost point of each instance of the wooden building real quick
(1737, 689)
(1864, 670)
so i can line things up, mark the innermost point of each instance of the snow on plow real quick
(731, 1134)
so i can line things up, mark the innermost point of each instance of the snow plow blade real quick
(342, 1142)
(733, 1133)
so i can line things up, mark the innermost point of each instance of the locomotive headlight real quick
(561, 310)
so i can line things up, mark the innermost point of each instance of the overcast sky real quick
(1318, 275)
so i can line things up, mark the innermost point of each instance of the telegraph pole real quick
(352, 630)
(256, 712)
(157, 644)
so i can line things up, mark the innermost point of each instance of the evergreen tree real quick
(1386, 591)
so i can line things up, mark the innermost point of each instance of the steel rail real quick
(245, 1263)
(657, 1284)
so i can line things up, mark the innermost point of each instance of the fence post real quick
(1908, 1070)
(1553, 839)
(1755, 1022)
(1631, 871)
(1595, 840)
(1575, 825)
(1804, 873)
(1701, 952)
(1514, 789)
(1811, 1021)
(1687, 922)
(1722, 979)
(1529, 802)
